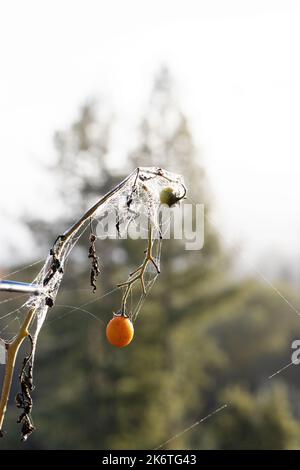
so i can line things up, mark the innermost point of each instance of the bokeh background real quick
(90, 90)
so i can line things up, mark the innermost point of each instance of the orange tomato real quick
(119, 331)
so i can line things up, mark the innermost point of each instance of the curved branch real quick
(138, 274)
(12, 349)
(54, 272)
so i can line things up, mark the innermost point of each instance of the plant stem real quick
(12, 351)
(138, 274)
(88, 214)
(60, 246)
(13, 347)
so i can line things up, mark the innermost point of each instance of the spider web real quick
(134, 202)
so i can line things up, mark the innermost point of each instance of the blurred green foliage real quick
(203, 337)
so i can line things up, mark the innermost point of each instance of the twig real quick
(138, 274)
(51, 282)
(12, 349)
(56, 252)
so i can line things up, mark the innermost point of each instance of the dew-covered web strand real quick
(19, 296)
(80, 308)
(7, 325)
(192, 426)
(281, 370)
(110, 292)
(252, 267)
(20, 309)
(142, 299)
(267, 281)
(51, 274)
(149, 285)
(74, 308)
(5, 301)
(6, 315)
(23, 268)
(150, 281)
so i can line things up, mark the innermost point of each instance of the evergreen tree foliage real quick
(202, 337)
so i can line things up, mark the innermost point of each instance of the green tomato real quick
(167, 196)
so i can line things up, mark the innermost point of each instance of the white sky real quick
(238, 77)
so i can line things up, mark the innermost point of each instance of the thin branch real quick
(60, 244)
(74, 228)
(58, 253)
(138, 274)
(12, 352)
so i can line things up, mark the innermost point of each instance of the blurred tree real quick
(89, 395)
(125, 400)
(255, 421)
(192, 282)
